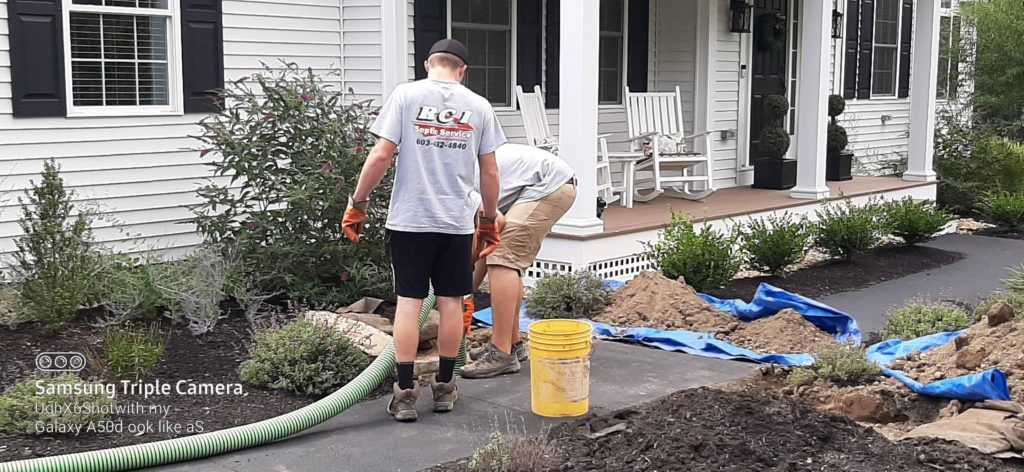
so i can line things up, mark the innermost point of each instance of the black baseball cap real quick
(451, 46)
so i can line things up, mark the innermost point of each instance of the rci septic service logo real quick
(60, 361)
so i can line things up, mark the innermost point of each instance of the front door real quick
(768, 72)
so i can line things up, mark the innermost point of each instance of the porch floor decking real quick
(731, 202)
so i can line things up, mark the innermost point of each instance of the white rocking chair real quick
(654, 118)
(538, 134)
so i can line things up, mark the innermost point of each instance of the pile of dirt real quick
(653, 301)
(708, 429)
(783, 333)
(981, 348)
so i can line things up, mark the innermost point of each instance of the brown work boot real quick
(445, 395)
(403, 404)
(491, 364)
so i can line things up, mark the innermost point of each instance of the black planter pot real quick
(839, 166)
(775, 174)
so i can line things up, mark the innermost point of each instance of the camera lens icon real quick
(60, 361)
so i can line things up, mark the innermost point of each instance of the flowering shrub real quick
(286, 152)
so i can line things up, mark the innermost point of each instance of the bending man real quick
(537, 189)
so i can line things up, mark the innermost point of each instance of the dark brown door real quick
(768, 62)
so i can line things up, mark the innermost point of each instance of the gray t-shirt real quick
(528, 174)
(442, 128)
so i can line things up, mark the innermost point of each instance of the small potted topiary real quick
(773, 170)
(839, 161)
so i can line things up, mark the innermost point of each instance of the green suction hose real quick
(226, 440)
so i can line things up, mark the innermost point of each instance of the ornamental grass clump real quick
(707, 259)
(304, 358)
(286, 152)
(21, 411)
(132, 353)
(515, 454)
(774, 243)
(570, 296)
(914, 222)
(919, 318)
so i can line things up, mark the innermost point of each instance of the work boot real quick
(403, 404)
(491, 364)
(521, 351)
(445, 395)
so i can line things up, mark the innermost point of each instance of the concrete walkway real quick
(364, 438)
(987, 261)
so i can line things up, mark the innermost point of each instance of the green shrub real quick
(576, 295)
(774, 142)
(839, 364)
(836, 105)
(515, 454)
(55, 262)
(290, 149)
(303, 358)
(837, 138)
(1015, 283)
(845, 229)
(971, 165)
(1005, 209)
(18, 404)
(918, 318)
(914, 222)
(1014, 299)
(196, 286)
(706, 259)
(132, 353)
(131, 288)
(774, 243)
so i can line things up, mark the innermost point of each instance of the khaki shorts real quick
(526, 226)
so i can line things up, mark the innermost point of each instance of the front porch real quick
(617, 252)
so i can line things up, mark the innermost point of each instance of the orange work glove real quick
(355, 219)
(488, 237)
(468, 309)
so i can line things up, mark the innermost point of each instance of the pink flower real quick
(345, 276)
(328, 167)
(270, 116)
(251, 225)
(360, 150)
(305, 97)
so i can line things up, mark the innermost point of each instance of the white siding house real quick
(137, 165)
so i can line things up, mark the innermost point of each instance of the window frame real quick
(175, 105)
(953, 58)
(874, 53)
(623, 57)
(513, 52)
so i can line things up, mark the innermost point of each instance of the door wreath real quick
(770, 32)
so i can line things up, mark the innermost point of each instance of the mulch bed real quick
(707, 429)
(210, 358)
(832, 277)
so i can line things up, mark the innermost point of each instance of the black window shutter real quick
(37, 57)
(866, 49)
(202, 52)
(906, 44)
(430, 25)
(529, 43)
(639, 27)
(551, 48)
(852, 43)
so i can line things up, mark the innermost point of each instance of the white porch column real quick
(924, 75)
(394, 44)
(707, 67)
(577, 111)
(812, 99)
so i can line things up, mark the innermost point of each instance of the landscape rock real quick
(1000, 313)
(868, 407)
(970, 358)
(376, 321)
(368, 339)
(430, 327)
(961, 342)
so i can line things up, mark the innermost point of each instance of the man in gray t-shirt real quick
(445, 132)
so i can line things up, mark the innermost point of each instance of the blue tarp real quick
(988, 385)
(767, 301)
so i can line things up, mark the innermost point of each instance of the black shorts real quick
(419, 260)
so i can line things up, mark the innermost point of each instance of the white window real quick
(121, 57)
(886, 48)
(612, 51)
(949, 54)
(485, 27)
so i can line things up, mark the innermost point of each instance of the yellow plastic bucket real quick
(560, 367)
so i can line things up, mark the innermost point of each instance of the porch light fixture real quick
(742, 13)
(837, 24)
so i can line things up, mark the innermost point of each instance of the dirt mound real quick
(651, 300)
(983, 347)
(654, 301)
(783, 333)
(708, 429)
